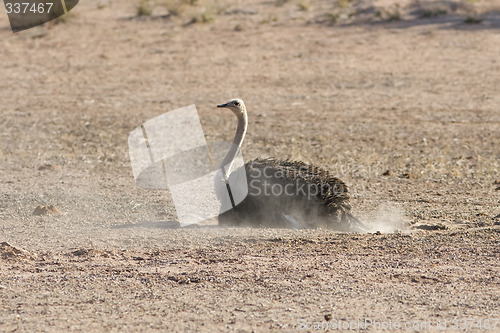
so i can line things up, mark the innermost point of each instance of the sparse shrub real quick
(304, 5)
(393, 13)
(280, 3)
(269, 19)
(176, 7)
(144, 8)
(341, 11)
(433, 12)
(331, 17)
(473, 18)
(101, 4)
(197, 11)
(69, 16)
(472, 15)
(208, 11)
(344, 3)
(204, 17)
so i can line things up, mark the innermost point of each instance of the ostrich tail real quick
(349, 222)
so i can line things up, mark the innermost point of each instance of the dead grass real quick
(391, 13)
(191, 11)
(145, 8)
(473, 18)
(329, 13)
(304, 5)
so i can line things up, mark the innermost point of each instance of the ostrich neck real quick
(237, 141)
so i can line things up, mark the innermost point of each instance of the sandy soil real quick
(401, 102)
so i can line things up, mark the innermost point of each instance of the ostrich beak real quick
(223, 105)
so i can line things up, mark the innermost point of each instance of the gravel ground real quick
(400, 101)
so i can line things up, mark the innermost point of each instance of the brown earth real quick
(400, 101)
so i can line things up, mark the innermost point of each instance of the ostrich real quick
(285, 193)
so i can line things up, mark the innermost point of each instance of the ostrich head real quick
(236, 105)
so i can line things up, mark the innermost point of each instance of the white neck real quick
(236, 145)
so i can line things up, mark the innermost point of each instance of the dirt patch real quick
(9, 252)
(47, 210)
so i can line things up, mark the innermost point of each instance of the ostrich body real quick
(284, 193)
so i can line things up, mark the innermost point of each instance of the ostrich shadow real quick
(170, 224)
(173, 224)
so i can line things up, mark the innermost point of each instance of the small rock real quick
(4, 247)
(387, 173)
(8, 251)
(47, 210)
(173, 278)
(80, 252)
(328, 317)
(431, 227)
(406, 175)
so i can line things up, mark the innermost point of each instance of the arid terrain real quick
(399, 99)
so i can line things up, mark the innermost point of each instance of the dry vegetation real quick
(400, 99)
(330, 12)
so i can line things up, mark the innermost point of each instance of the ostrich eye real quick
(237, 103)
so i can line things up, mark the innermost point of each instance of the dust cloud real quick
(387, 218)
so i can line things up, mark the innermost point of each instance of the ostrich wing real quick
(284, 193)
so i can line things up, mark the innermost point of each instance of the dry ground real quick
(399, 101)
